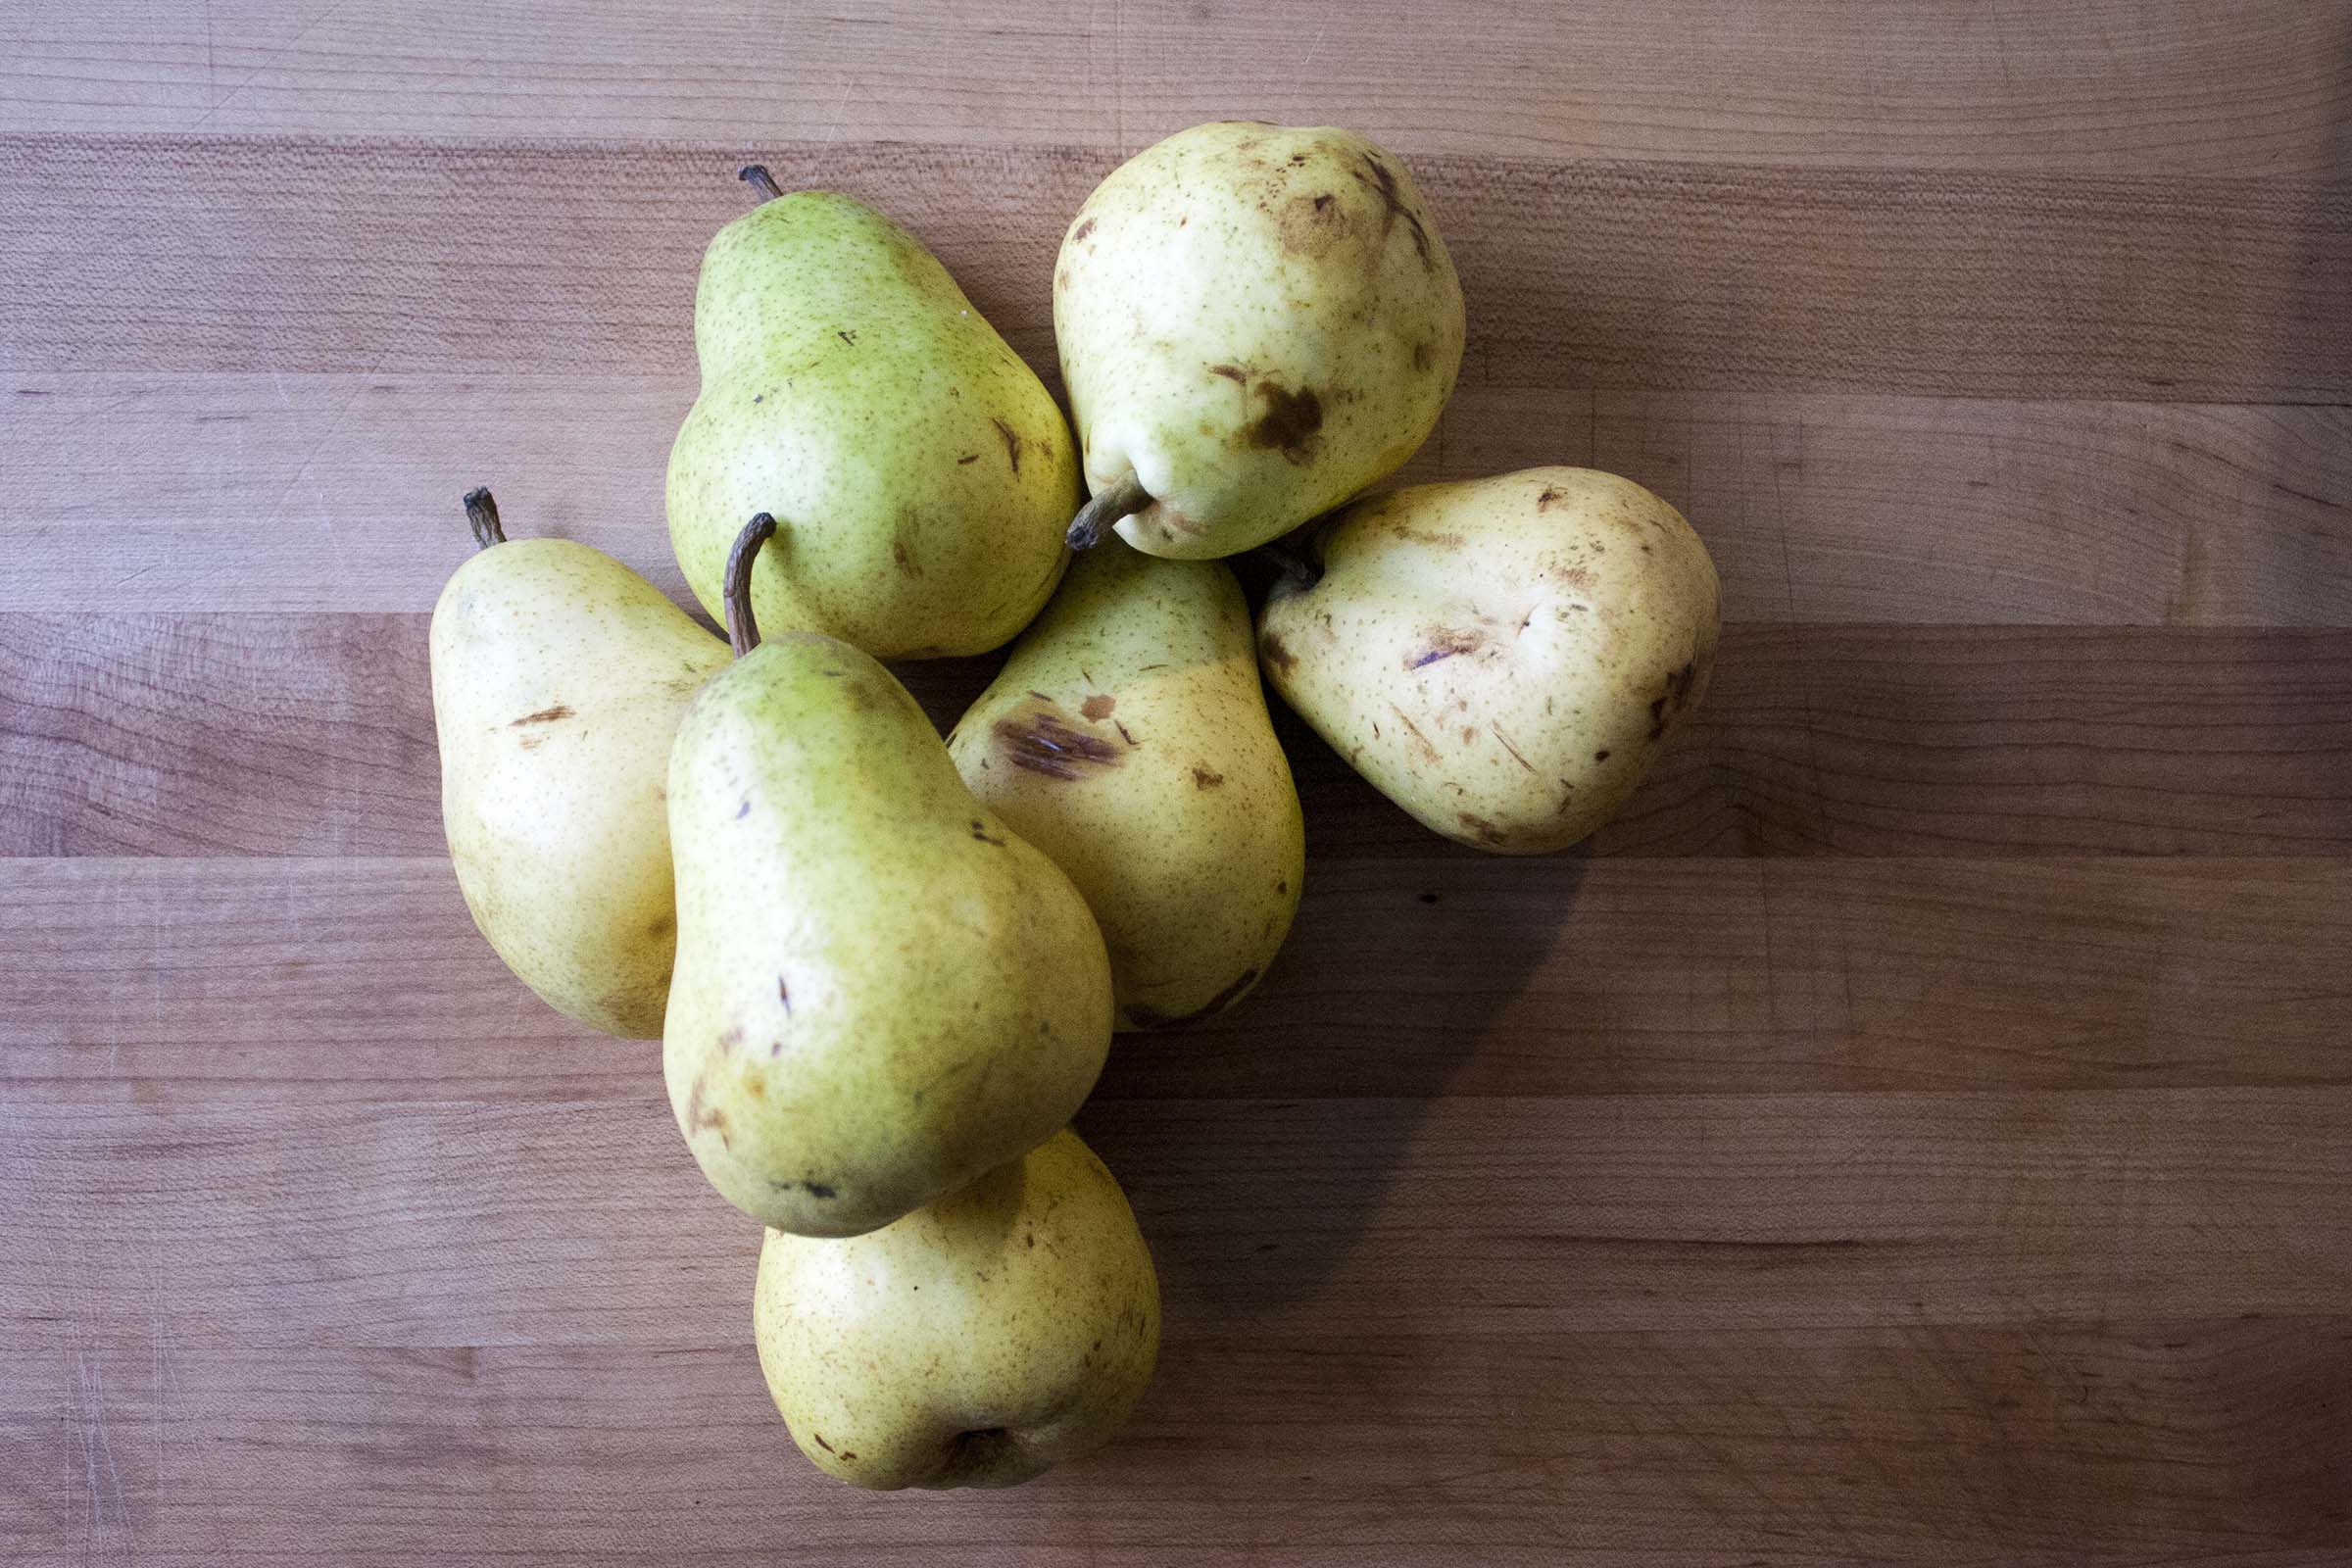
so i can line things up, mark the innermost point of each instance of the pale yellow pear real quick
(1256, 323)
(559, 679)
(921, 473)
(1503, 657)
(882, 991)
(978, 1342)
(1128, 738)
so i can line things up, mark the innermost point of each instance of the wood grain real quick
(1912, 1134)
(2212, 1441)
(314, 735)
(385, 257)
(163, 982)
(435, 1224)
(2103, 86)
(326, 491)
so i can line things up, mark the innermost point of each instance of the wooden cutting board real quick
(1920, 1130)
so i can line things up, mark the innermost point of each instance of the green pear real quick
(1501, 658)
(882, 991)
(559, 679)
(1256, 323)
(978, 1342)
(1128, 738)
(920, 472)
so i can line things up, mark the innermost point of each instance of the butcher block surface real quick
(1918, 1130)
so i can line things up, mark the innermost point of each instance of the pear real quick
(882, 991)
(1128, 738)
(920, 472)
(1256, 323)
(1503, 657)
(558, 678)
(978, 1342)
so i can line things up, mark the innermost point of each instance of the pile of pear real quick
(887, 966)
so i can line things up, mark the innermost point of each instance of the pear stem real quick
(743, 632)
(759, 180)
(482, 516)
(1296, 569)
(1093, 519)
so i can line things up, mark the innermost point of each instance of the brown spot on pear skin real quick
(1516, 756)
(1231, 372)
(1673, 700)
(1602, 756)
(1205, 778)
(730, 1040)
(1082, 231)
(1424, 357)
(1544, 502)
(699, 1117)
(1309, 226)
(1481, 828)
(1098, 705)
(1276, 653)
(1013, 443)
(1039, 737)
(757, 1088)
(967, 459)
(1428, 749)
(1152, 1018)
(1290, 424)
(545, 716)
(1442, 644)
(904, 558)
(1382, 183)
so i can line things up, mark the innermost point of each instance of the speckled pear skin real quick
(1128, 738)
(558, 678)
(1503, 657)
(882, 991)
(978, 1342)
(920, 474)
(1258, 322)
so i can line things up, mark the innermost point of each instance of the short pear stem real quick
(743, 632)
(482, 516)
(1122, 500)
(759, 180)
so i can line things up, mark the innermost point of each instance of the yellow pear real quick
(978, 1342)
(1128, 738)
(920, 472)
(1256, 323)
(558, 678)
(882, 991)
(1503, 657)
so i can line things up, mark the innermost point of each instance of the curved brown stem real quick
(743, 632)
(759, 180)
(482, 516)
(1093, 519)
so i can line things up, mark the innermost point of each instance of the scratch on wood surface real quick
(101, 1475)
